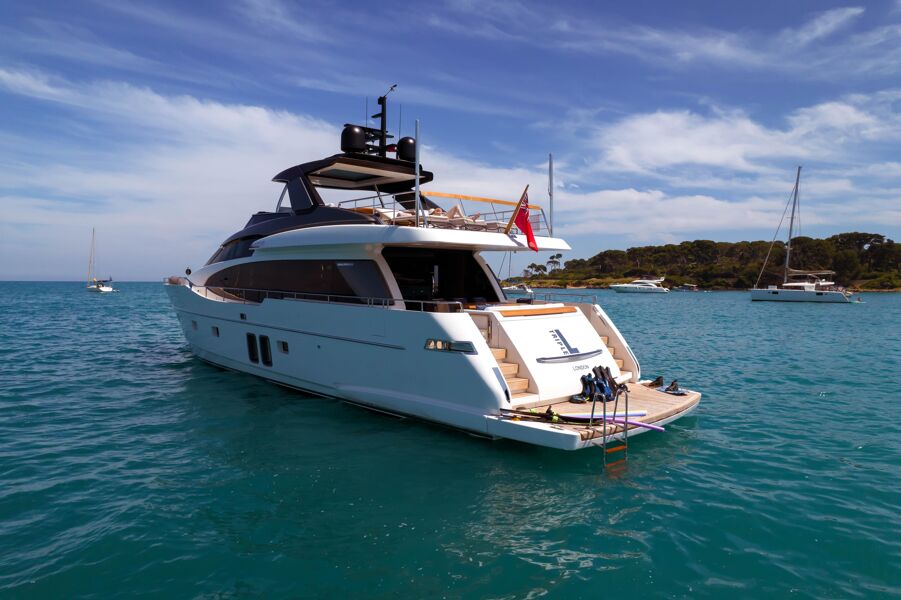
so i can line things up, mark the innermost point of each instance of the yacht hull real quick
(377, 357)
(784, 295)
(627, 289)
(349, 352)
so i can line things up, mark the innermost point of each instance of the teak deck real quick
(658, 405)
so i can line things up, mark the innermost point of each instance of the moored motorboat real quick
(386, 301)
(640, 286)
(521, 288)
(686, 287)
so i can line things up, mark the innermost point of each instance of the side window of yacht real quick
(341, 281)
(360, 278)
(439, 274)
(234, 249)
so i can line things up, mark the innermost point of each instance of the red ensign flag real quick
(522, 221)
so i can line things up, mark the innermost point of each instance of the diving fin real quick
(658, 382)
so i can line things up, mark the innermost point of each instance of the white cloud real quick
(188, 173)
(651, 212)
(823, 25)
(656, 143)
(275, 16)
(166, 177)
(822, 47)
(646, 142)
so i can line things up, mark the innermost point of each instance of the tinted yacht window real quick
(239, 248)
(345, 280)
(433, 274)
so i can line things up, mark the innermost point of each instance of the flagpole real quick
(418, 201)
(516, 210)
(550, 189)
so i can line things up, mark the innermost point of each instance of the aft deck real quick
(660, 407)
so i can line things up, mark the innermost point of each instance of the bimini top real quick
(351, 171)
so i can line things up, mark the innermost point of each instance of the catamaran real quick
(641, 286)
(386, 301)
(94, 284)
(798, 285)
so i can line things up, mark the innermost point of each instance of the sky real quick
(161, 124)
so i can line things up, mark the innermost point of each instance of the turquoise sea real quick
(130, 469)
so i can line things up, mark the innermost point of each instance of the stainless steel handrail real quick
(561, 297)
(314, 297)
(379, 201)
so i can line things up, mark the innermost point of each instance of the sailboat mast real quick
(91, 257)
(791, 224)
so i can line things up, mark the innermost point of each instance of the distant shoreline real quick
(544, 284)
(532, 283)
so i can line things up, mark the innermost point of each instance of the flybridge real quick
(391, 195)
(364, 164)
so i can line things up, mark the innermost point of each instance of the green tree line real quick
(867, 260)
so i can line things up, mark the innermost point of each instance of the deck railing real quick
(242, 295)
(551, 297)
(493, 217)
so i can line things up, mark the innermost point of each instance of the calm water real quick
(127, 468)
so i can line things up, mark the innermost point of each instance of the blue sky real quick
(161, 124)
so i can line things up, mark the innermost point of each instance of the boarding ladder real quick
(616, 446)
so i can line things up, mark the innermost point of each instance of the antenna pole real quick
(383, 122)
(383, 125)
(550, 189)
(791, 224)
(416, 195)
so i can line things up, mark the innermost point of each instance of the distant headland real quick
(861, 261)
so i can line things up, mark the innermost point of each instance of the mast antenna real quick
(382, 116)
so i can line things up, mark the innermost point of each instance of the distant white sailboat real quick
(94, 284)
(797, 285)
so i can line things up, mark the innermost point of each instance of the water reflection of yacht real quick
(386, 301)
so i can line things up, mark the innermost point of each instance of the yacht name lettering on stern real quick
(564, 346)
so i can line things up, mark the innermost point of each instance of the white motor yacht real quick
(519, 288)
(386, 302)
(798, 285)
(640, 286)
